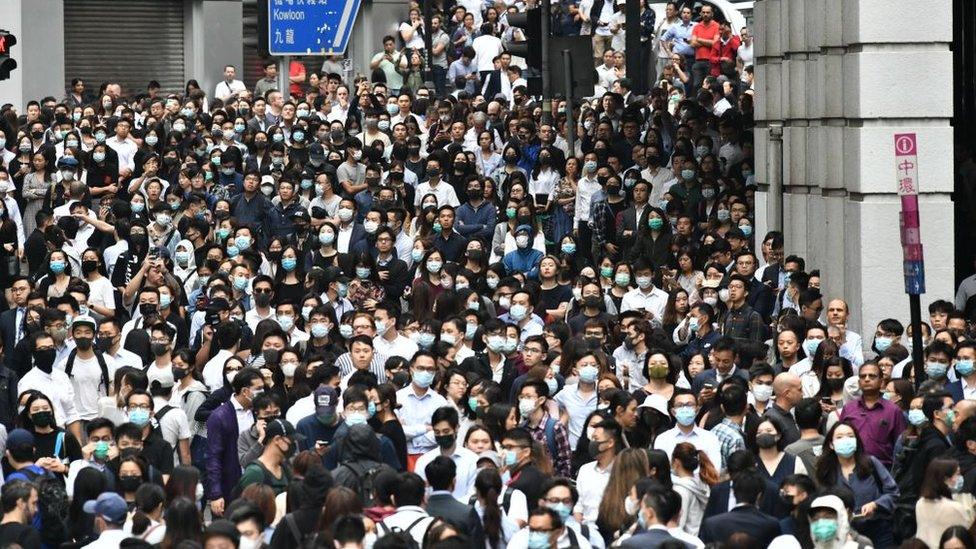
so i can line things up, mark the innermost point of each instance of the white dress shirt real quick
(466, 463)
(57, 387)
(653, 301)
(414, 413)
(213, 370)
(591, 481)
(701, 439)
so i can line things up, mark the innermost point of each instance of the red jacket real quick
(728, 50)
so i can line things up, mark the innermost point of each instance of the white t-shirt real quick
(86, 380)
(101, 293)
(417, 41)
(486, 48)
(174, 426)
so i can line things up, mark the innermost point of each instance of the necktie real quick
(21, 314)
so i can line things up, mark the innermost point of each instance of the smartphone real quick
(709, 386)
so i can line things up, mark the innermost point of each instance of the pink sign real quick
(906, 163)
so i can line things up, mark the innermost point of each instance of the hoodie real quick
(358, 453)
(842, 539)
(694, 498)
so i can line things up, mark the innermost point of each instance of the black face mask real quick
(475, 255)
(593, 343)
(128, 452)
(445, 442)
(42, 419)
(592, 301)
(129, 483)
(44, 360)
(37, 135)
(103, 344)
(159, 349)
(835, 384)
(148, 309)
(179, 374)
(262, 300)
(138, 242)
(84, 343)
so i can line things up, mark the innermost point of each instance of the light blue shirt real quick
(677, 35)
(414, 413)
(578, 407)
(466, 463)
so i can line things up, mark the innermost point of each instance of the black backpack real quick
(365, 478)
(70, 365)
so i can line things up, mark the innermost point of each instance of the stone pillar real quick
(39, 28)
(843, 79)
(212, 36)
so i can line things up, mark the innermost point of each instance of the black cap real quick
(335, 274)
(278, 428)
(301, 214)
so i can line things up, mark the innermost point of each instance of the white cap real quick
(656, 402)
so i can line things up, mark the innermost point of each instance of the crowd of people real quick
(386, 315)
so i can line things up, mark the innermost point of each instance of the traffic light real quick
(530, 49)
(7, 63)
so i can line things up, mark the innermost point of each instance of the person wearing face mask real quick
(594, 476)
(444, 422)
(271, 469)
(418, 401)
(533, 402)
(224, 427)
(878, 421)
(42, 377)
(524, 259)
(89, 369)
(476, 217)
(684, 408)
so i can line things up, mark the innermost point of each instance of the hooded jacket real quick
(357, 456)
(694, 498)
(842, 539)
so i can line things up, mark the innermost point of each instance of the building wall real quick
(38, 26)
(843, 76)
(213, 34)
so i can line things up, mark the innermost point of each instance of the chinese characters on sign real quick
(906, 175)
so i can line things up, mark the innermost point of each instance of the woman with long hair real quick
(957, 537)
(183, 523)
(660, 375)
(89, 483)
(385, 420)
(146, 522)
(844, 462)
(497, 526)
(693, 475)
(772, 462)
(290, 277)
(629, 466)
(676, 310)
(942, 503)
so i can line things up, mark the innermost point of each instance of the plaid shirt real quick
(744, 325)
(730, 437)
(561, 462)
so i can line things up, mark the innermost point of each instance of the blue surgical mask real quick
(562, 509)
(240, 282)
(881, 343)
(588, 374)
(916, 417)
(845, 447)
(289, 263)
(685, 415)
(242, 242)
(423, 378)
(518, 312)
(964, 367)
(935, 370)
(355, 418)
(139, 416)
(57, 266)
(319, 329)
(345, 330)
(569, 248)
(810, 347)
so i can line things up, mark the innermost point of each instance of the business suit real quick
(627, 220)
(954, 389)
(223, 468)
(8, 330)
(769, 503)
(711, 376)
(746, 519)
(443, 505)
(651, 539)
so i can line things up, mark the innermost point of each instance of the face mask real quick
(511, 344)
(589, 166)
(496, 344)
(657, 372)
(362, 272)
(685, 415)
(823, 530)
(345, 214)
(766, 440)
(342, 290)
(511, 458)
(622, 279)
(287, 322)
(722, 215)
(522, 241)
(320, 330)
(159, 349)
(445, 442)
(129, 483)
(588, 374)
(552, 384)
(242, 242)
(100, 137)
(57, 266)
(845, 447)
(568, 248)
(916, 417)
(139, 416)
(44, 359)
(708, 194)
(631, 506)
(355, 418)
(326, 238)
(449, 339)
(434, 266)
(655, 223)
(810, 346)
(518, 312)
(42, 419)
(98, 157)
(644, 282)
(240, 282)
(526, 407)
(746, 229)
(164, 219)
(606, 272)
(935, 370)
(762, 392)
(492, 282)
(882, 343)
(423, 379)
(950, 418)
(437, 227)
(688, 175)
(964, 367)
(957, 484)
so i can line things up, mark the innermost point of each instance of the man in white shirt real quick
(850, 342)
(285, 314)
(227, 338)
(487, 47)
(444, 422)
(645, 297)
(417, 404)
(744, 55)
(229, 87)
(90, 371)
(592, 479)
(263, 292)
(435, 185)
(685, 409)
(389, 341)
(670, 19)
(53, 383)
(124, 146)
(110, 342)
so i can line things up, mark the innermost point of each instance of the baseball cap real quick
(525, 228)
(109, 505)
(335, 274)
(301, 214)
(20, 438)
(68, 162)
(491, 456)
(325, 397)
(278, 428)
(84, 320)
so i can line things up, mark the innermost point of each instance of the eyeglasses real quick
(868, 376)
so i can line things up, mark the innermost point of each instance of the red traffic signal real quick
(7, 63)
(7, 41)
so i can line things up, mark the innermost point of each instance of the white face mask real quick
(631, 507)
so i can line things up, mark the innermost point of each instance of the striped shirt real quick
(344, 363)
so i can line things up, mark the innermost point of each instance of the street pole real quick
(284, 64)
(636, 71)
(428, 45)
(906, 173)
(774, 206)
(544, 19)
(570, 125)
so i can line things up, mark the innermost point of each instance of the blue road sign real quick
(914, 277)
(309, 27)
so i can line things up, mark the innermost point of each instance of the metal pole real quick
(284, 63)
(774, 206)
(632, 43)
(570, 126)
(915, 308)
(428, 44)
(544, 19)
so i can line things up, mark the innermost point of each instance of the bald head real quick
(965, 408)
(787, 388)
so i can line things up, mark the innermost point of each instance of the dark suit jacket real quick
(954, 389)
(8, 330)
(650, 539)
(711, 376)
(746, 519)
(223, 468)
(760, 298)
(769, 503)
(445, 506)
(627, 221)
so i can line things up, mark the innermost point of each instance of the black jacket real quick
(748, 519)
(931, 444)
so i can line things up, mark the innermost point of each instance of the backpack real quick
(52, 506)
(69, 366)
(506, 498)
(365, 477)
(551, 438)
(386, 530)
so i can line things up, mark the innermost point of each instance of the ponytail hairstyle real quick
(692, 459)
(488, 485)
(149, 496)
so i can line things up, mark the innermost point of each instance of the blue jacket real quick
(223, 468)
(523, 261)
(476, 223)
